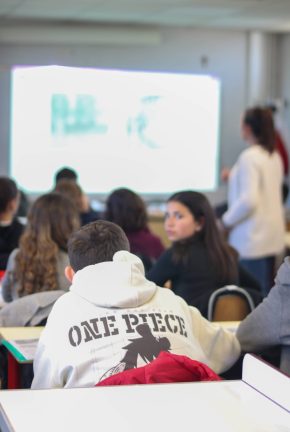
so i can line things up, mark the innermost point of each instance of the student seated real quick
(269, 324)
(127, 209)
(199, 260)
(65, 173)
(114, 319)
(73, 191)
(39, 263)
(10, 228)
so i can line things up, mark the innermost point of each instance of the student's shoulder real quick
(249, 154)
(167, 254)
(17, 224)
(63, 312)
(167, 295)
(279, 295)
(12, 256)
(177, 305)
(283, 275)
(64, 304)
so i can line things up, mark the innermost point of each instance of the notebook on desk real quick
(21, 342)
(22, 349)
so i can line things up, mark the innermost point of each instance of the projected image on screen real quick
(152, 132)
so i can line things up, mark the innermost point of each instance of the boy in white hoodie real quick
(114, 319)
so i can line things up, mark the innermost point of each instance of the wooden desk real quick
(14, 357)
(228, 406)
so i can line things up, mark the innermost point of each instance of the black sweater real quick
(193, 282)
(9, 238)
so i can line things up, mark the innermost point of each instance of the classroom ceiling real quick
(268, 15)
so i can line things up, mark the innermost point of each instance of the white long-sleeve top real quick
(114, 319)
(255, 214)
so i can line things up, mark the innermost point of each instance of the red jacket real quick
(166, 368)
(281, 148)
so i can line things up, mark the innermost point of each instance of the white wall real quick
(222, 53)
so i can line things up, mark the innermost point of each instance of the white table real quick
(228, 406)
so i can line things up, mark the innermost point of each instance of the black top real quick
(9, 238)
(194, 281)
(89, 216)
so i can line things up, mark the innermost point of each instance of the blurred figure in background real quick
(127, 209)
(281, 148)
(10, 228)
(65, 173)
(39, 263)
(199, 260)
(73, 191)
(66, 182)
(255, 219)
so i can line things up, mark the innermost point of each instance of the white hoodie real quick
(114, 319)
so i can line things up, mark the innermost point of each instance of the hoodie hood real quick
(119, 283)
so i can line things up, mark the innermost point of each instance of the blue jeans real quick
(261, 269)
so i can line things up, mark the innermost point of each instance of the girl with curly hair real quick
(39, 263)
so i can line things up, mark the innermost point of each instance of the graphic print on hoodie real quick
(113, 318)
(147, 347)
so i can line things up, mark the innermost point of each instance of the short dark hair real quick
(94, 243)
(8, 192)
(66, 173)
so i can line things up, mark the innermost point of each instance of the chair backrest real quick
(229, 303)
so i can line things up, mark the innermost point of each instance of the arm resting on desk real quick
(269, 324)
(266, 325)
(220, 346)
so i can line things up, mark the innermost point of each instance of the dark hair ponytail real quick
(260, 121)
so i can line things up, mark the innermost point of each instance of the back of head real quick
(127, 209)
(51, 220)
(71, 190)
(52, 217)
(8, 192)
(261, 123)
(65, 173)
(94, 243)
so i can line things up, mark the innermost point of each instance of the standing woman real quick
(255, 215)
(39, 263)
(199, 260)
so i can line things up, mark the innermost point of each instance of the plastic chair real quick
(229, 303)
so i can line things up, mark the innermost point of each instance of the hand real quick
(225, 173)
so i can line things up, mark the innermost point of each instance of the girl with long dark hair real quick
(199, 260)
